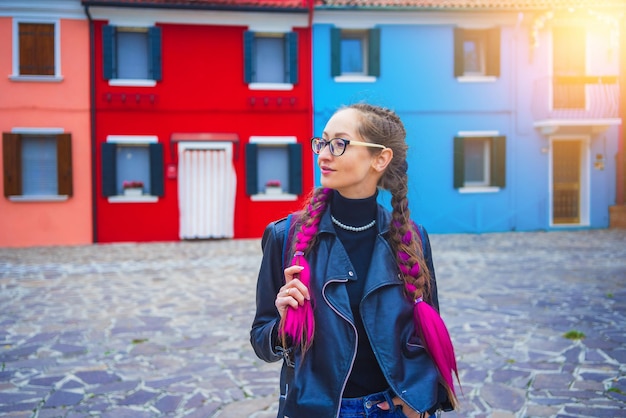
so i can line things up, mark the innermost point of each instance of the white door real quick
(206, 190)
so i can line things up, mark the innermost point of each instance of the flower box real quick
(133, 191)
(132, 187)
(273, 187)
(273, 190)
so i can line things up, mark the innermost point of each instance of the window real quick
(273, 166)
(36, 50)
(569, 67)
(479, 161)
(270, 58)
(132, 53)
(132, 166)
(477, 52)
(37, 166)
(355, 52)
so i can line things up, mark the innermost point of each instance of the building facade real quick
(512, 113)
(202, 117)
(45, 123)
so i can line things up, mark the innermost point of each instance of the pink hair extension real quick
(430, 327)
(299, 323)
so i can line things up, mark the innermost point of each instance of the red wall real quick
(202, 90)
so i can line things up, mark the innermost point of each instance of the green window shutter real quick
(498, 161)
(109, 169)
(459, 162)
(109, 52)
(335, 52)
(295, 168)
(64, 164)
(493, 52)
(373, 45)
(251, 169)
(156, 170)
(291, 47)
(459, 54)
(248, 57)
(154, 43)
(12, 161)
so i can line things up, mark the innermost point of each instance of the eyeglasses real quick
(338, 145)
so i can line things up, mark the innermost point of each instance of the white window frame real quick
(138, 140)
(132, 82)
(38, 198)
(271, 32)
(16, 76)
(268, 141)
(480, 187)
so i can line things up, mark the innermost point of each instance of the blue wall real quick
(417, 81)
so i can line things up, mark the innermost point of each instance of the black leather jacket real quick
(313, 388)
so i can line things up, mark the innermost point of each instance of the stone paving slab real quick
(162, 329)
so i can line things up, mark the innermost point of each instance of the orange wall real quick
(64, 105)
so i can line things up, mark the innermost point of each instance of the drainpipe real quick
(92, 111)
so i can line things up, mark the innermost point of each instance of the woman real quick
(346, 314)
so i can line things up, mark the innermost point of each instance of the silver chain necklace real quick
(352, 228)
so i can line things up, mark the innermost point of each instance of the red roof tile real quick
(479, 4)
(340, 4)
(205, 4)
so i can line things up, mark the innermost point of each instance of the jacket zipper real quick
(356, 343)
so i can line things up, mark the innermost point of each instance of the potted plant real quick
(132, 187)
(273, 187)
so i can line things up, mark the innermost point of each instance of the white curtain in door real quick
(206, 190)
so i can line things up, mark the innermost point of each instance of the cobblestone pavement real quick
(161, 329)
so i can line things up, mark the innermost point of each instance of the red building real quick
(202, 116)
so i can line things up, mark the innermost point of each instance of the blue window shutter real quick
(109, 169)
(154, 43)
(251, 169)
(493, 52)
(459, 53)
(248, 56)
(156, 170)
(335, 52)
(291, 48)
(498, 161)
(109, 52)
(295, 168)
(373, 46)
(459, 162)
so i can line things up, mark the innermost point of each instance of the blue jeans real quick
(366, 407)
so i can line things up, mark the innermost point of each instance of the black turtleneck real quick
(366, 377)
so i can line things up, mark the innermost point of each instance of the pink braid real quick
(429, 325)
(299, 323)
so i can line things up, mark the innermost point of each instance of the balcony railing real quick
(576, 98)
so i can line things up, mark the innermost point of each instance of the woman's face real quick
(352, 174)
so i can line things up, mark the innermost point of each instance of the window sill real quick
(270, 86)
(262, 197)
(37, 78)
(355, 79)
(479, 189)
(477, 79)
(133, 199)
(39, 198)
(123, 82)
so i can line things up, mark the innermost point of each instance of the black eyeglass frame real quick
(345, 142)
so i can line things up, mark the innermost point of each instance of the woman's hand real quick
(406, 410)
(293, 293)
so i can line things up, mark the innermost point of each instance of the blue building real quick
(512, 111)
